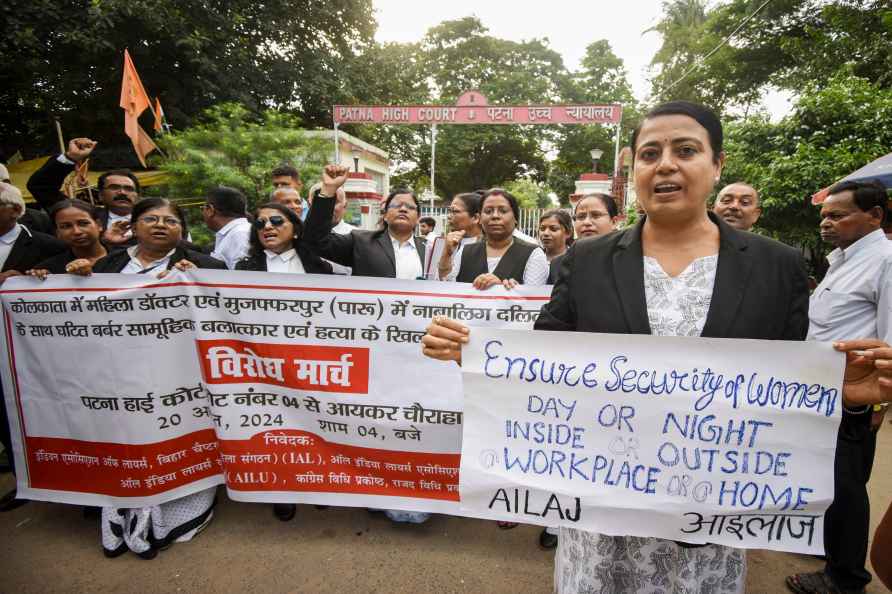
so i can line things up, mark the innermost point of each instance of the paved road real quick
(47, 548)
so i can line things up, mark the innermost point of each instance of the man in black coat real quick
(20, 250)
(118, 190)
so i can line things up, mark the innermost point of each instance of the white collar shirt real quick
(406, 258)
(854, 300)
(135, 265)
(287, 261)
(232, 241)
(343, 228)
(7, 240)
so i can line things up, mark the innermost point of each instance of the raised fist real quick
(333, 177)
(80, 148)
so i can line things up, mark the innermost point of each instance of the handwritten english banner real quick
(699, 440)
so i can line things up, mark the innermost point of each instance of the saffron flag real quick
(144, 145)
(134, 101)
(159, 116)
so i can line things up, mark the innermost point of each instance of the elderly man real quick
(20, 250)
(854, 301)
(289, 198)
(286, 176)
(738, 205)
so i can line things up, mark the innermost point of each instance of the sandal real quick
(816, 582)
(507, 525)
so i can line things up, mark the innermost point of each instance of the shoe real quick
(284, 511)
(9, 502)
(816, 582)
(547, 540)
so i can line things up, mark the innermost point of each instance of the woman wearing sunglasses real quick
(275, 244)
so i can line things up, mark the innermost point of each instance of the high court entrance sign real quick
(473, 108)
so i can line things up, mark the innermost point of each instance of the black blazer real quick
(554, 267)
(57, 263)
(760, 292)
(312, 263)
(30, 248)
(369, 253)
(116, 261)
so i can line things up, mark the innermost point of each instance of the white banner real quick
(126, 391)
(691, 439)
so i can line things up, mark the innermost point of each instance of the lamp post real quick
(596, 155)
(356, 153)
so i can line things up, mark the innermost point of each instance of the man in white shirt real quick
(854, 301)
(224, 213)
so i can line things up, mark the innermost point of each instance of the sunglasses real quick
(275, 221)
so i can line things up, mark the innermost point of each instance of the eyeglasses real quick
(398, 205)
(275, 221)
(120, 188)
(593, 215)
(154, 220)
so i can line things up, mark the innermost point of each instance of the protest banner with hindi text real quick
(700, 440)
(126, 391)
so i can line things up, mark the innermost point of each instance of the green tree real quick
(460, 55)
(602, 78)
(836, 127)
(529, 193)
(789, 44)
(231, 147)
(64, 57)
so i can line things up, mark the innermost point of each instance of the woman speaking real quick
(680, 271)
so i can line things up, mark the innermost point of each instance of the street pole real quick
(337, 153)
(616, 165)
(433, 161)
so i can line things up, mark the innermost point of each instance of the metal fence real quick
(528, 223)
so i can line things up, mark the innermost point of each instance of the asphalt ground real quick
(47, 548)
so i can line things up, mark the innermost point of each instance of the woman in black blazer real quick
(369, 253)
(79, 226)
(679, 272)
(159, 227)
(276, 246)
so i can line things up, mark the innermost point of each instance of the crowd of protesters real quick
(683, 269)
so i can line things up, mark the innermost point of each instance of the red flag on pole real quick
(134, 101)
